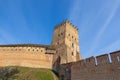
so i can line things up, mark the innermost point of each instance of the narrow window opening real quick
(68, 34)
(72, 53)
(61, 33)
(73, 45)
(72, 36)
(58, 35)
(41, 50)
(75, 39)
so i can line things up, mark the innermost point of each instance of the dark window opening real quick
(41, 50)
(57, 42)
(68, 34)
(72, 36)
(73, 45)
(58, 35)
(72, 53)
(75, 39)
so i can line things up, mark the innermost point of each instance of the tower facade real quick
(66, 41)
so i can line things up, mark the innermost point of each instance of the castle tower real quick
(66, 41)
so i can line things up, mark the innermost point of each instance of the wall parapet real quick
(102, 67)
(111, 58)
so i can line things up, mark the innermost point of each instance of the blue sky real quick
(33, 21)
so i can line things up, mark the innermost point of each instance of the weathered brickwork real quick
(63, 56)
(27, 55)
(65, 46)
(66, 41)
(99, 68)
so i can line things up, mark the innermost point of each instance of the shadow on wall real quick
(56, 64)
(63, 71)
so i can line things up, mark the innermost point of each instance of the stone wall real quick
(104, 67)
(66, 41)
(37, 57)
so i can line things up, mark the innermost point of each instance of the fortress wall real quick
(26, 56)
(102, 59)
(115, 56)
(99, 68)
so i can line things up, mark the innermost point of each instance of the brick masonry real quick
(63, 56)
(36, 57)
(104, 67)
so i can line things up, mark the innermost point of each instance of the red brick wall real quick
(97, 69)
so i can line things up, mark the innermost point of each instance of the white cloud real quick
(75, 10)
(104, 27)
(110, 48)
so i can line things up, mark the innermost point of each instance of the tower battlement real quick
(65, 22)
(63, 56)
(66, 41)
(65, 45)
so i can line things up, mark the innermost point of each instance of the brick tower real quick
(66, 41)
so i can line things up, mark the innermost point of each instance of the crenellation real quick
(39, 56)
(65, 39)
(64, 23)
(104, 70)
(82, 63)
(90, 61)
(102, 59)
(115, 56)
(26, 49)
(63, 56)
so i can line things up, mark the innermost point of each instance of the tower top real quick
(66, 22)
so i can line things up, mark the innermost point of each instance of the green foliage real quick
(43, 75)
(25, 73)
